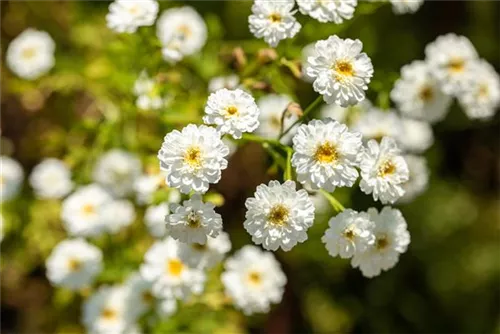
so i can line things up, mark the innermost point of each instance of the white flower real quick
(341, 72)
(153, 180)
(326, 154)
(11, 178)
(193, 158)
(481, 98)
(51, 178)
(273, 21)
(391, 239)
(377, 123)
(128, 15)
(418, 179)
(272, 107)
(383, 170)
(139, 298)
(117, 171)
(308, 51)
(349, 232)
(118, 214)
(193, 221)
(231, 145)
(417, 93)
(253, 280)
(450, 58)
(148, 93)
(229, 82)
(346, 115)
(406, 6)
(182, 32)
(208, 255)
(171, 277)
(328, 10)
(278, 215)
(415, 136)
(167, 307)
(31, 54)
(232, 111)
(74, 264)
(155, 217)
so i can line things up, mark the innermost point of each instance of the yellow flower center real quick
(278, 215)
(456, 65)
(254, 278)
(184, 31)
(88, 209)
(343, 69)
(74, 265)
(109, 314)
(326, 153)
(133, 9)
(382, 242)
(175, 267)
(231, 111)
(193, 157)
(275, 17)
(483, 91)
(386, 168)
(426, 93)
(28, 53)
(193, 220)
(349, 234)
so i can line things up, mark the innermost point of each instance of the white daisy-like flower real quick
(155, 217)
(167, 307)
(232, 111)
(340, 70)
(349, 232)
(229, 82)
(31, 54)
(273, 21)
(415, 136)
(148, 93)
(231, 145)
(326, 154)
(278, 215)
(418, 94)
(118, 214)
(253, 279)
(328, 10)
(481, 99)
(377, 123)
(193, 221)
(391, 239)
(307, 51)
(182, 32)
(11, 178)
(193, 158)
(208, 255)
(406, 6)
(170, 276)
(418, 179)
(128, 15)
(383, 170)
(272, 107)
(117, 170)
(74, 264)
(348, 115)
(450, 58)
(139, 298)
(153, 180)
(51, 178)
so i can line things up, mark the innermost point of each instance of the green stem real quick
(257, 139)
(288, 170)
(278, 159)
(337, 206)
(308, 110)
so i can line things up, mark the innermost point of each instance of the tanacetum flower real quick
(328, 10)
(415, 136)
(232, 111)
(73, 264)
(376, 124)
(391, 239)
(139, 298)
(193, 158)
(31, 54)
(307, 51)
(406, 6)
(326, 154)
(155, 219)
(229, 82)
(253, 279)
(208, 255)
(51, 178)
(383, 170)
(348, 115)
(128, 15)
(273, 108)
(273, 21)
(340, 70)
(418, 178)
(11, 178)
(118, 214)
(278, 215)
(148, 93)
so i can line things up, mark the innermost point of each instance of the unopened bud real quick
(265, 56)
(294, 108)
(239, 58)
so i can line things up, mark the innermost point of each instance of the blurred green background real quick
(447, 282)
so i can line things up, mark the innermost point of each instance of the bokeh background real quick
(447, 282)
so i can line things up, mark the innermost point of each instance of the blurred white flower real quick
(128, 15)
(155, 220)
(340, 70)
(208, 255)
(377, 123)
(273, 21)
(415, 136)
(307, 51)
(229, 82)
(167, 307)
(74, 264)
(348, 115)
(148, 93)
(418, 179)
(253, 279)
(272, 107)
(139, 296)
(51, 178)
(406, 6)
(328, 10)
(278, 215)
(31, 54)
(118, 214)
(11, 178)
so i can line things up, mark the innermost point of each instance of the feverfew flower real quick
(341, 72)
(308, 51)
(406, 6)
(418, 94)
(117, 170)
(193, 221)
(450, 58)
(391, 239)
(278, 215)
(154, 218)
(31, 54)
(253, 280)
(376, 124)
(51, 178)
(326, 154)
(348, 115)
(418, 179)
(170, 276)
(193, 158)
(328, 10)
(139, 297)
(148, 93)
(229, 82)
(208, 255)
(272, 107)
(182, 32)
(349, 232)
(118, 214)
(232, 111)
(273, 21)
(11, 178)
(73, 264)
(128, 15)
(415, 136)
(383, 170)
(153, 180)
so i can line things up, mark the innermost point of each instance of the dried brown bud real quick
(294, 108)
(239, 58)
(265, 56)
